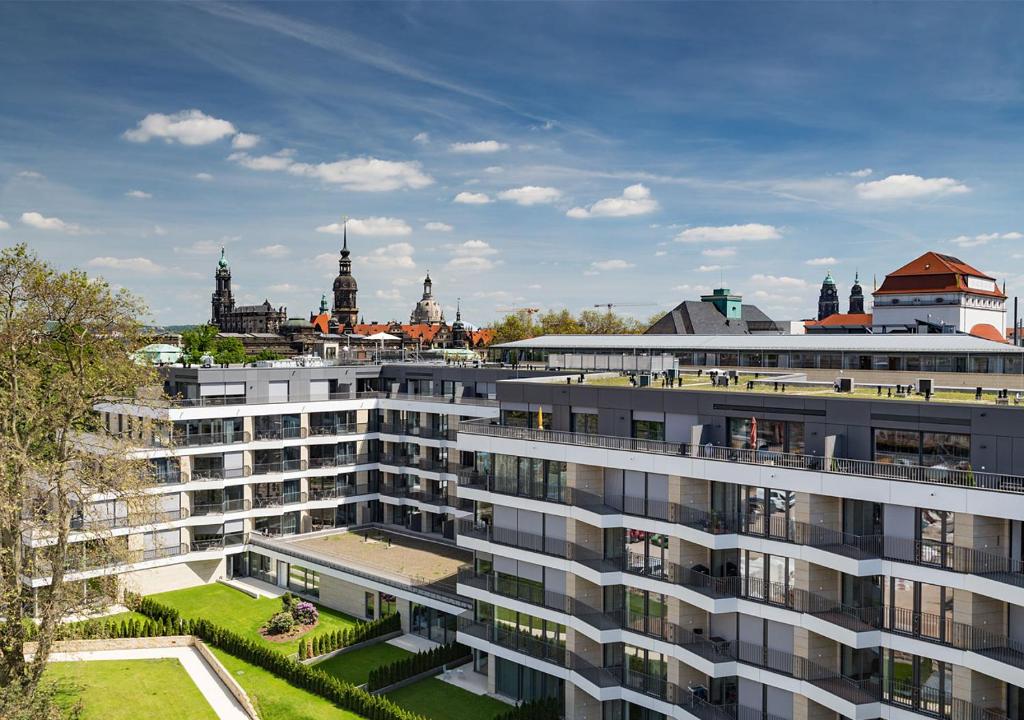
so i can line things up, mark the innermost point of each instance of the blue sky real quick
(525, 154)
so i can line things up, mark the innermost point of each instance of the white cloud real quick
(283, 287)
(39, 222)
(364, 174)
(188, 127)
(472, 255)
(205, 247)
(438, 227)
(205, 177)
(245, 141)
(635, 200)
(482, 147)
(421, 138)
(139, 194)
(390, 295)
(863, 172)
(904, 187)
(472, 198)
(614, 264)
(729, 233)
(471, 263)
(4, 225)
(984, 238)
(281, 160)
(273, 251)
(710, 268)
(777, 281)
(531, 195)
(473, 248)
(494, 169)
(660, 253)
(821, 261)
(141, 265)
(395, 255)
(719, 252)
(370, 227)
(31, 175)
(159, 230)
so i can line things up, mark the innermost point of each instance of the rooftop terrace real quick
(874, 386)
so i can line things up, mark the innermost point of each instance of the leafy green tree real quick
(558, 322)
(265, 354)
(597, 322)
(228, 350)
(512, 327)
(65, 340)
(198, 341)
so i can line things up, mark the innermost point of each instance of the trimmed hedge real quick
(545, 709)
(311, 647)
(344, 695)
(415, 664)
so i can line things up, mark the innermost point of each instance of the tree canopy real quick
(204, 340)
(522, 325)
(66, 343)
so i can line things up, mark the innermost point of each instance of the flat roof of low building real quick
(867, 343)
(391, 554)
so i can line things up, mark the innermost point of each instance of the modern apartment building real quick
(724, 553)
(641, 552)
(249, 460)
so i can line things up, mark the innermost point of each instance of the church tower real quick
(459, 337)
(222, 301)
(346, 309)
(828, 299)
(856, 296)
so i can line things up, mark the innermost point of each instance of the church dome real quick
(427, 310)
(345, 282)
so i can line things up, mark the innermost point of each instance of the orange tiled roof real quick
(481, 337)
(841, 319)
(321, 322)
(987, 332)
(933, 273)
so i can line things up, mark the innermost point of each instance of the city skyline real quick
(542, 155)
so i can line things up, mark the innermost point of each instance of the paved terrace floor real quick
(398, 556)
(866, 385)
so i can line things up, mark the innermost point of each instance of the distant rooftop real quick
(877, 343)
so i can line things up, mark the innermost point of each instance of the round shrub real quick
(305, 613)
(279, 623)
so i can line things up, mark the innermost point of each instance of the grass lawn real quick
(236, 611)
(439, 700)
(354, 667)
(274, 698)
(130, 690)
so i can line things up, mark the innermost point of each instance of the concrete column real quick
(587, 478)
(806, 709)
(693, 492)
(491, 674)
(688, 617)
(817, 579)
(248, 425)
(687, 554)
(979, 611)
(816, 648)
(979, 689)
(981, 533)
(818, 510)
(682, 675)
(584, 591)
(588, 536)
(696, 436)
(580, 705)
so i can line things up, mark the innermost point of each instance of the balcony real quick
(279, 466)
(220, 473)
(200, 439)
(965, 478)
(342, 429)
(80, 522)
(928, 553)
(333, 461)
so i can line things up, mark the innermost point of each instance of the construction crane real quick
(620, 305)
(528, 310)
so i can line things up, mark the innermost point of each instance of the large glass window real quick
(930, 449)
(772, 435)
(584, 423)
(649, 429)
